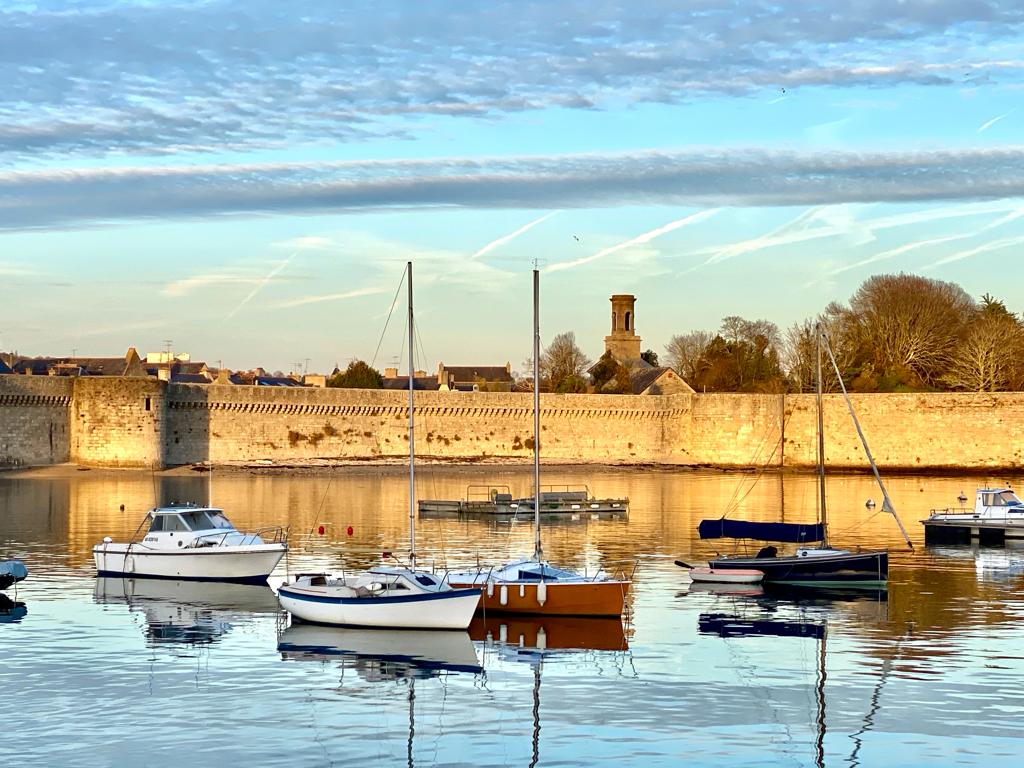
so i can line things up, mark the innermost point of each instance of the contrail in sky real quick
(646, 237)
(506, 238)
(260, 285)
(989, 123)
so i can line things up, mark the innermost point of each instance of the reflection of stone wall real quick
(104, 421)
(34, 426)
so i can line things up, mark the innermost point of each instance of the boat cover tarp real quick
(794, 533)
(13, 569)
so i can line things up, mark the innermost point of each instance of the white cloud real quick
(512, 236)
(642, 239)
(167, 79)
(319, 298)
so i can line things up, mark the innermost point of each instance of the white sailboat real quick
(532, 585)
(402, 597)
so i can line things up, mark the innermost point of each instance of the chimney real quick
(390, 373)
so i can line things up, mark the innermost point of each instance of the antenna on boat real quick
(886, 501)
(537, 550)
(412, 442)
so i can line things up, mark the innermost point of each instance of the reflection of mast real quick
(819, 690)
(536, 713)
(412, 718)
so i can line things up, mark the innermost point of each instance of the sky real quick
(245, 180)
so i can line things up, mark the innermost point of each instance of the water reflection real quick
(11, 611)
(186, 612)
(377, 654)
(929, 670)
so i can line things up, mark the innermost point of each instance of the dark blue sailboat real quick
(815, 563)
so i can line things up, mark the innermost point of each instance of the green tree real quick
(650, 357)
(358, 375)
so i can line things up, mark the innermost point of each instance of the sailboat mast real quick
(823, 514)
(412, 440)
(886, 501)
(537, 551)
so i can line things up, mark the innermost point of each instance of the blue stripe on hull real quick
(455, 593)
(235, 580)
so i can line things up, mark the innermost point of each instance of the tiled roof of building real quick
(189, 378)
(641, 379)
(471, 373)
(78, 366)
(425, 383)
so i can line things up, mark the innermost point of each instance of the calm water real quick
(111, 672)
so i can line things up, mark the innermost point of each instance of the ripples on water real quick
(116, 672)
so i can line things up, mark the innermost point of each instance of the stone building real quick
(624, 345)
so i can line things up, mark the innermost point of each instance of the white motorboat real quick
(191, 542)
(716, 576)
(532, 585)
(404, 598)
(998, 515)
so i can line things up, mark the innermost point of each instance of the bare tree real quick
(988, 358)
(910, 322)
(562, 363)
(683, 353)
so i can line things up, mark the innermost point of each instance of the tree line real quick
(897, 333)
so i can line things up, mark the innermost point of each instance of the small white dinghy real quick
(190, 542)
(721, 576)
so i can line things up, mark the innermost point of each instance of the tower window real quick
(614, 319)
(626, 318)
(149, 404)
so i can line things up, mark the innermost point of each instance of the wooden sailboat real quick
(402, 597)
(532, 585)
(810, 565)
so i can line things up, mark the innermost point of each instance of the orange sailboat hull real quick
(570, 598)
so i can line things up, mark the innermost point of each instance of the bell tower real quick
(623, 342)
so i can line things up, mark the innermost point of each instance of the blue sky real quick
(248, 179)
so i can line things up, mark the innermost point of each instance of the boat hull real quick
(570, 598)
(838, 569)
(732, 576)
(451, 609)
(952, 531)
(244, 564)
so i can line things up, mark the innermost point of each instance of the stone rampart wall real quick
(116, 421)
(34, 423)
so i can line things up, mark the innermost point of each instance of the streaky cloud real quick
(512, 235)
(700, 178)
(646, 237)
(320, 298)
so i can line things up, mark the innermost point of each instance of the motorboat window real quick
(158, 524)
(426, 580)
(990, 500)
(174, 523)
(1009, 499)
(220, 521)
